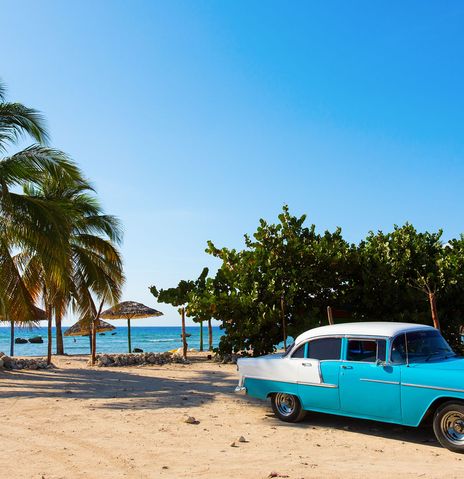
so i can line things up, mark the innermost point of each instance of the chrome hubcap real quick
(452, 425)
(285, 403)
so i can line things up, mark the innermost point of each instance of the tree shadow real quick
(127, 390)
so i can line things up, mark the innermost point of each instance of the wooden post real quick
(129, 335)
(201, 336)
(12, 335)
(433, 310)
(329, 315)
(184, 339)
(284, 326)
(210, 335)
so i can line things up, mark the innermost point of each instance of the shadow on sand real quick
(133, 390)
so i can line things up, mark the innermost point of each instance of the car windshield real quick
(427, 345)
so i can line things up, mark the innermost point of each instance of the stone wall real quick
(137, 359)
(19, 363)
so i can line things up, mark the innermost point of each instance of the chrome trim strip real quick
(439, 388)
(379, 381)
(320, 385)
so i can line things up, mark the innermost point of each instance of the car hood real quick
(451, 364)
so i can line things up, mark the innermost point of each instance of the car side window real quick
(300, 351)
(325, 348)
(366, 350)
(398, 350)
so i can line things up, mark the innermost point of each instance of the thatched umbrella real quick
(129, 310)
(39, 315)
(84, 328)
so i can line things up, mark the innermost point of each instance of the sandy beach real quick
(79, 422)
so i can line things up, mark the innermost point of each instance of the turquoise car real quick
(393, 372)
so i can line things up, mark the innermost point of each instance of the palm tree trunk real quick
(201, 336)
(94, 334)
(48, 309)
(12, 336)
(59, 332)
(210, 335)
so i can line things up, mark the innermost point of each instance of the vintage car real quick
(393, 372)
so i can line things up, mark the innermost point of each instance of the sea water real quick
(149, 339)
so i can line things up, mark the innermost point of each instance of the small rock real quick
(233, 444)
(241, 439)
(190, 420)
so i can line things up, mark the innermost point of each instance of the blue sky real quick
(196, 118)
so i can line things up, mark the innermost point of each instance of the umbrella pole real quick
(12, 334)
(90, 340)
(129, 335)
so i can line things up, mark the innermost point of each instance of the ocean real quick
(149, 339)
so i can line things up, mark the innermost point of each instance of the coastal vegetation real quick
(57, 247)
(287, 274)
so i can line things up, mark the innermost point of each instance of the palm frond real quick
(31, 164)
(18, 121)
(2, 90)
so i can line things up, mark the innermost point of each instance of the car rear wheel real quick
(448, 425)
(287, 407)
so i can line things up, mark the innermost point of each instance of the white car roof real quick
(373, 328)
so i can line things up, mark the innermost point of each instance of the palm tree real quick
(27, 222)
(93, 264)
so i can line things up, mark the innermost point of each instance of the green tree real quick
(398, 271)
(179, 296)
(201, 305)
(281, 283)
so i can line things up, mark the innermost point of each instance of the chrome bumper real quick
(240, 390)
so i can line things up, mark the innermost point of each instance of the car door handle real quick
(347, 367)
(306, 364)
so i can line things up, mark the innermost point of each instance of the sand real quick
(78, 422)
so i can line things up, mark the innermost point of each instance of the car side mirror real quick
(379, 362)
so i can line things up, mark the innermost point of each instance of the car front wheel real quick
(448, 425)
(287, 407)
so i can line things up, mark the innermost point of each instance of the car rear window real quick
(325, 348)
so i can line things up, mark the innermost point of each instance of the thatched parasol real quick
(39, 315)
(83, 328)
(129, 310)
